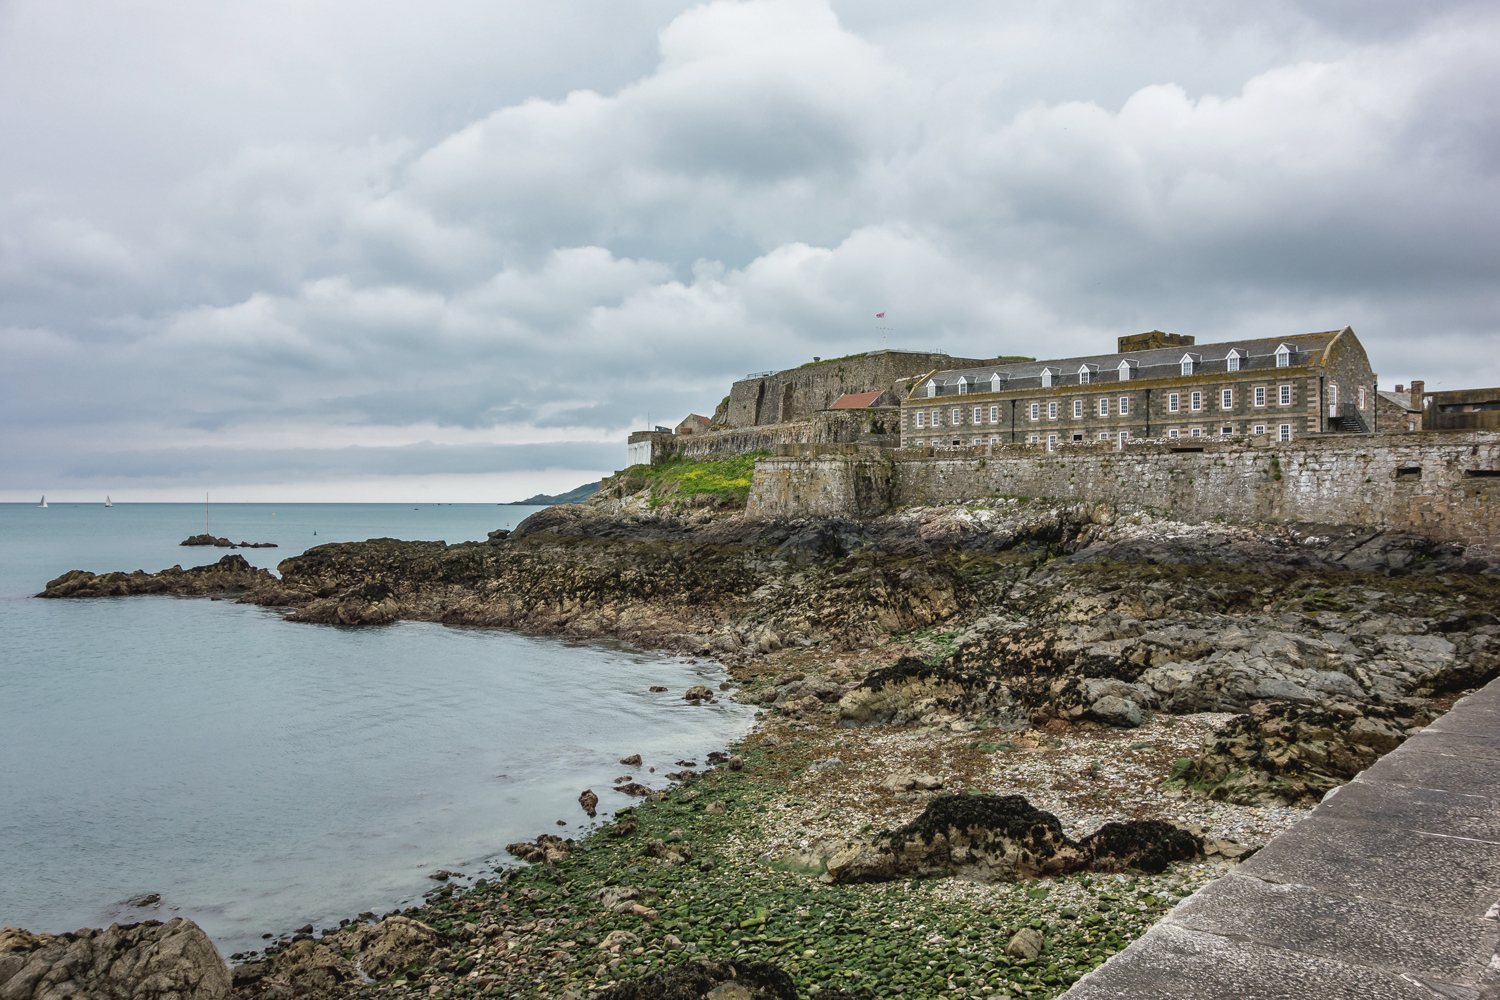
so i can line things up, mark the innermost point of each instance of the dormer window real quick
(1190, 363)
(931, 387)
(997, 381)
(1085, 373)
(1126, 370)
(1232, 361)
(1049, 375)
(1283, 356)
(963, 385)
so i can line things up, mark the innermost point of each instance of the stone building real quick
(795, 394)
(1399, 412)
(1155, 385)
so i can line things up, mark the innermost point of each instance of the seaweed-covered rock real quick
(994, 838)
(1284, 752)
(1149, 845)
(696, 980)
(230, 573)
(146, 961)
(912, 690)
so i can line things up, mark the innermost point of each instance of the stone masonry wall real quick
(1446, 486)
(828, 430)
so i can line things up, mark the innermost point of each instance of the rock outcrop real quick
(1017, 612)
(719, 980)
(146, 961)
(1289, 752)
(230, 573)
(994, 838)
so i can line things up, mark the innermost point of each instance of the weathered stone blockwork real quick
(823, 432)
(1446, 486)
(795, 394)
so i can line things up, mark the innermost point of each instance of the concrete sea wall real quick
(1444, 485)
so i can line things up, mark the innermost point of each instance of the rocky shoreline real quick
(998, 739)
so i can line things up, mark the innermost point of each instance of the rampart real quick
(796, 393)
(821, 433)
(1444, 485)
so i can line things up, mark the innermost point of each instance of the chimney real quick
(1400, 388)
(1416, 393)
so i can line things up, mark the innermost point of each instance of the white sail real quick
(107, 502)
(44, 501)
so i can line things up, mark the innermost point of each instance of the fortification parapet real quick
(1443, 485)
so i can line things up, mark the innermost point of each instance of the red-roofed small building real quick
(860, 400)
(693, 423)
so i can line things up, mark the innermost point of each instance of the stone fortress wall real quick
(1443, 485)
(797, 393)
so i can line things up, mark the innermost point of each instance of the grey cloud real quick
(578, 246)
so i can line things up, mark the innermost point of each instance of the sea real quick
(259, 775)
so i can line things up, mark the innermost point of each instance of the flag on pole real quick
(880, 315)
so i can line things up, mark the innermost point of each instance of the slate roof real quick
(1158, 362)
(1401, 399)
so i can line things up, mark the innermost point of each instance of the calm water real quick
(260, 775)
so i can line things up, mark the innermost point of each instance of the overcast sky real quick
(364, 250)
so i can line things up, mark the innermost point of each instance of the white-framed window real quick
(1227, 430)
(935, 420)
(1260, 395)
(1083, 376)
(1077, 409)
(1333, 398)
(979, 414)
(994, 414)
(1124, 370)
(1187, 364)
(1232, 361)
(996, 382)
(1124, 406)
(1361, 397)
(1283, 359)
(963, 385)
(921, 418)
(957, 416)
(1195, 400)
(1051, 442)
(1260, 429)
(1034, 438)
(994, 440)
(1285, 395)
(1052, 410)
(1104, 435)
(931, 388)
(1036, 411)
(1103, 406)
(1174, 402)
(1197, 432)
(1172, 433)
(1226, 399)
(1286, 433)
(1046, 378)
(1124, 436)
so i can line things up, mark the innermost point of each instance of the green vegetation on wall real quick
(726, 479)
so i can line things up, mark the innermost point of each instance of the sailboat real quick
(44, 501)
(107, 502)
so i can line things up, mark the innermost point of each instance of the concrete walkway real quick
(1391, 888)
